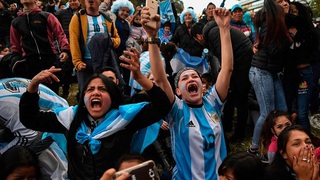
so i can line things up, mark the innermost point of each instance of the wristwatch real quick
(153, 40)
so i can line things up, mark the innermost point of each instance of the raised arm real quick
(160, 104)
(133, 64)
(157, 68)
(45, 76)
(222, 17)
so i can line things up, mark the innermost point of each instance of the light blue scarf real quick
(114, 121)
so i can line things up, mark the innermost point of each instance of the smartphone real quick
(144, 171)
(153, 9)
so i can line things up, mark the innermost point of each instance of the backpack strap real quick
(81, 40)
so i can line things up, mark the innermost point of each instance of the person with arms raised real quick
(100, 128)
(198, 140)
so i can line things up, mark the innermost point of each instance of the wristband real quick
(153, 40)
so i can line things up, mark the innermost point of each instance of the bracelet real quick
(153, 40)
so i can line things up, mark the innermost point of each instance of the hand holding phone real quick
(109, 175)
(153, 9)
(144, 171)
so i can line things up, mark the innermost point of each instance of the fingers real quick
(63, 57)
(221, 12)
(136, 52)
(123, 176)
(164, 125)
(294, 162)
(315, 167)
(45, 76)
(107, 175)
(125, 59)
(298, 159)
(82, 67)
(129, 53)
(53, 69)
(156, 18)
(133, 53)
(304, 154)
(48, 76)
(145, 15)
(309, 152)
(130, 63)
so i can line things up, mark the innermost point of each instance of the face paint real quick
(119, 13)
(86, 100)
(182, 86)
(188, 72)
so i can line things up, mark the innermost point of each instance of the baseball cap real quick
(235, 7)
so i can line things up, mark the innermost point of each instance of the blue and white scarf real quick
(114, 121)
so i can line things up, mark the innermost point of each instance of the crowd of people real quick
(178, 93)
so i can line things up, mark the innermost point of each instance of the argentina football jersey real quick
(96, 25)
(198, 141)
(11, 90)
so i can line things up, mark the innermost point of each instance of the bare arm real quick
(134, 66)
(222, 17)
(157, 68)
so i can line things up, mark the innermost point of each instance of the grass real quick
(234, 147)
(72, 100)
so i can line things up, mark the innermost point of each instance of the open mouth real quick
(192, 89)
(96, 103)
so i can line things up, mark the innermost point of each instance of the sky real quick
(199, 5)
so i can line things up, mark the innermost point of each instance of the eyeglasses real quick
(294, 11)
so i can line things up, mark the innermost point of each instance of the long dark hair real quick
(303, 23)
(243, 165)
(15, 157)
(82, 112)
(279, 162)
(274, 16)
(168, 50)
(266, 134)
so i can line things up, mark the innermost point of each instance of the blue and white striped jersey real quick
(145, 68)
(96, 25)
(198, 142)
(11, 90)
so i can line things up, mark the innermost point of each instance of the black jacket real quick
(276, 172)
(270, 57)
(306, 44)
(241, 45)
(64, 16)
(33, 29)
(112, 147)
(183, 39)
